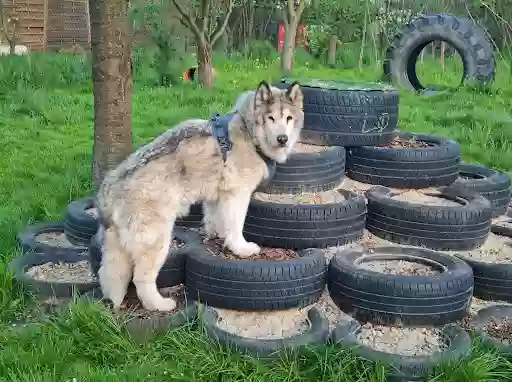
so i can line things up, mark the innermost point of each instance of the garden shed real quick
(50, 24)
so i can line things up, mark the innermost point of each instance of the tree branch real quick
(205, 15)
(188, 20)
(302, 5)
(291, 8)
(216, 35)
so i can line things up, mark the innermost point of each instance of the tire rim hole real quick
(427, 63)
(467, 175)
(434, 265)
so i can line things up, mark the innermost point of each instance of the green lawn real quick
(46, 117)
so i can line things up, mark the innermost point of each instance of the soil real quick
(355, 186)
(404, 341)
(399, 142)
(325, 197)
(76, 273)
(500, 329)
(399, 267)
(132, 306)
(476, 305)
(55, 239)
(92, 211)
(422, 197)
(496, 249)
(304, 148)
(215, 247)
(263, 325)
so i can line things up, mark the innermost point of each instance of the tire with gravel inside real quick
(468, 39)
(300, 226)
(408, 300)
(493, 281)
(255, 284)
(483, 317)
(80, 226)
(397, 167)
(316, 334)
(405, 368)
(349, 114)
(172, 272)
(492, 184)
(309, 172)
(455, 228)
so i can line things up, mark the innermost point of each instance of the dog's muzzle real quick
(282, 139)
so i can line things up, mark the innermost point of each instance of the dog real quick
(139, 201)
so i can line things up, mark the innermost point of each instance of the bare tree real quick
(9, 27)
(291, 14)
(201, 22)
(112, 85)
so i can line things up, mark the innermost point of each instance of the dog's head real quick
(278, 119)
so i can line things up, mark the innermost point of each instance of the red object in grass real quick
(300, 37)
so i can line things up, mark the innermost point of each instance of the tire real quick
(347, 114)
(255, 285)
(455, 228)
(27, 239)
(309, 172)
(492, 184)
(308, 225)
(493, 281)
(172, 272)
(146, 328)
(480, 321)
(317, 334)
(385, 299)
(406, 368)
(42, 289)
(79, 226)
(468, 39)
(194, 219)
(406, 167)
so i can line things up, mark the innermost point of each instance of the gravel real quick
(496, 249)
(76, 273)
(92, 211)
(404, 341)
(305, 148)
(423, 197)
(55, 239)
(325, 197)
(216, 248)
(501, 330)
(399, 267)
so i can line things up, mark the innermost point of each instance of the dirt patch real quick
(355, 186)
(404, 341)
(55, 239)
(399, 267)
(476, 305)
(263, 325)
(215, 247)
(132, 307)
(325, 197)
(496, 249)
(407, 143)
(92, 211)
(76, 273)
(422, 197)
(304, 148)
(501, 330)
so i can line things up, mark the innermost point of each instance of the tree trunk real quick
(12, 47)
(204, 64)
(112, 85)
(288, 47)
(331, 50)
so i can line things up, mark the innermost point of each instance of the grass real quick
(46, 119)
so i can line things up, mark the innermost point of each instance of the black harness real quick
(220, 130)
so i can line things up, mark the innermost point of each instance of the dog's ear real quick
(294, 94)
(263, 93)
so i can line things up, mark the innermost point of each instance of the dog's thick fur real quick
(139, 201)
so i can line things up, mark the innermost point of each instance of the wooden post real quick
(88, 21)
(45, 25)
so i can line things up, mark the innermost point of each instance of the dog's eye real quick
(289, 118)
(271, 118)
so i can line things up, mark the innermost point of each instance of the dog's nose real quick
(282, 139)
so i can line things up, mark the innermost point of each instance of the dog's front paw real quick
(245, 249)
(164, 305)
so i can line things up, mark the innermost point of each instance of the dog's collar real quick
(220, 130)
